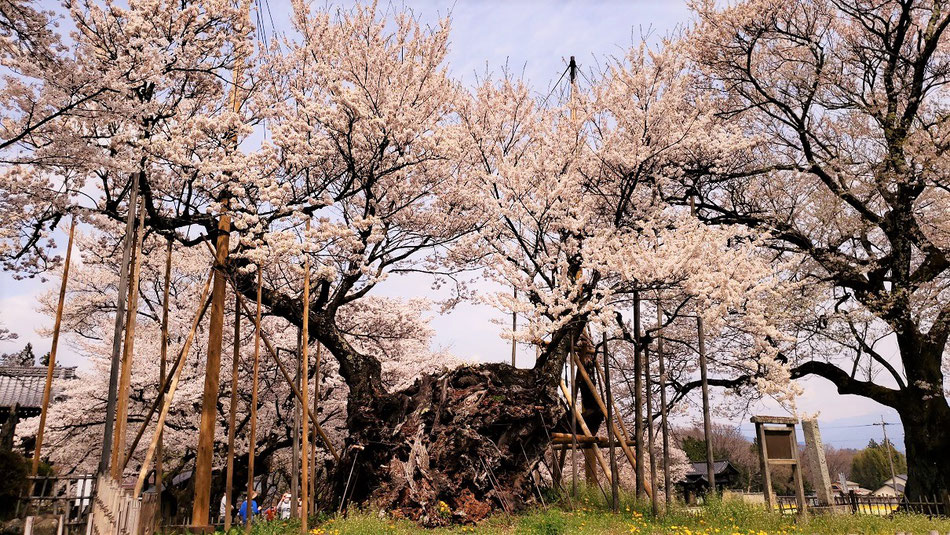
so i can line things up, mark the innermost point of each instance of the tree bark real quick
(927, 441)
(453, 447)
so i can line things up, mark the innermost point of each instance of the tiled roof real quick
(699, 469)
(23, 385)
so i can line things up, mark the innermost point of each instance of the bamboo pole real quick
(170, 395)
(162, 373)
(128, 353)
(305, 391)
(614, 481)
(654, 505)
(664, 425)
(252, 439)
(105, 454)
(51, 365)
(201, 507)
(232, 413)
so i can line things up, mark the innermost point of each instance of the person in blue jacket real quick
(254, 509)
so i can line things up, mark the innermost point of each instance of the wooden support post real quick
(232, 410)
(707, 418)
(51, 365)
(586, 430)
(620, 434)
(201, 508)
(573, 401)
(316, 410)
(128, 353)
(162, 377)
(664, 425)
(766, 473)
(272, 351)
(170, 395)
(615, 479)
(252, 438)
(305, 391)
(797, 472)
(295, 436)
(105, 455)
(638, 394)
(514, 327)
(654, 506)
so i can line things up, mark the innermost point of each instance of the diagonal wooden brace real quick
(586, 430)
(622, 438)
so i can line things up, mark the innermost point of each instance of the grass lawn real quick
(590, 517)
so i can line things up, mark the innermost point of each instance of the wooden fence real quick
(69, 499)
(116, 512)
(872, 505)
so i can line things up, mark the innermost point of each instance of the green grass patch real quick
(588, 514)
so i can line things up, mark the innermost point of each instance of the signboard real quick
(778, 442)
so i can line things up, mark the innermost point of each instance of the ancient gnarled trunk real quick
(452, 447)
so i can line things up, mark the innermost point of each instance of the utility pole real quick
(890, 458)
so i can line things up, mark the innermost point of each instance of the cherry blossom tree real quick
(847, 102)
(396, 331)
(398, 169)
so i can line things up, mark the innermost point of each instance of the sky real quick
(533, 38)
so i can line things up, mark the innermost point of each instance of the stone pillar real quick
(815, 451)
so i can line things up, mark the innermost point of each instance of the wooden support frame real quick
(201, 507)
(128, 352)
(664, 424)
(707, 418)
(272, 351)
(203, 304)
(305, 392)
(105, 455)
(296, 390)
(623, 439)
(638, 394)
(51, 365)
(252, 438)
(648, 383)
(232, 414)
(615, 479)
(163, 377)
(584, 429)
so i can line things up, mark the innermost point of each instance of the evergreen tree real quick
(870, 467)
